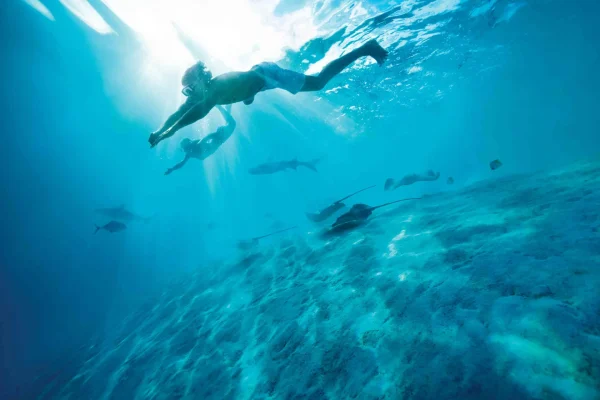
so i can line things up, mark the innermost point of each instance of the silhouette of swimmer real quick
(392, 184)
(494, 165)
(333, 208)
(200, 149)
(272, 168)
(248, 244)
(357, 215)
(112, 227)
(204, 92)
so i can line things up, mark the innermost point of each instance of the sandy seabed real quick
(488, 292)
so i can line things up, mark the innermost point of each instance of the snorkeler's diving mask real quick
(198, 91)
(188, 90)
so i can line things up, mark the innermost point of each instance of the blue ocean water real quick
(483, 289)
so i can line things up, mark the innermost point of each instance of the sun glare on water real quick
(236, 34)
(170, 35)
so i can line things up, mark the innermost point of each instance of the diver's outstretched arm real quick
(176, 116)
(178, 165)
(190, 112)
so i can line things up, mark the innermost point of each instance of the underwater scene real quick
(300, 199)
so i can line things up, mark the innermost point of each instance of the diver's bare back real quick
(233, 87)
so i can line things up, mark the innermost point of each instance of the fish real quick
(248, 244)
(121, 214)
(357, 215)
(450, 180)
(495, 164)
(112, 227)
(272, 168)
(333, 208)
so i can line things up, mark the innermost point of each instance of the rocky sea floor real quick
(489, 292)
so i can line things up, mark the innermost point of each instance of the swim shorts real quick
(278, 78)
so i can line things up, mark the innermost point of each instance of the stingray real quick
(358, 215)
(333, 208)
(248, 244)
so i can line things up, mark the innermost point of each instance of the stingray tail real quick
(393, 202)
(97, 229)
(274, 233)
(357, 192)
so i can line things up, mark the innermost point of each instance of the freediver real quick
(391, 184)
(204, 92)
(200, 149)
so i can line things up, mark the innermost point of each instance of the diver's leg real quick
(318, 82)
(212, 142)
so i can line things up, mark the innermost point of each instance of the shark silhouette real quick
(274, 167)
